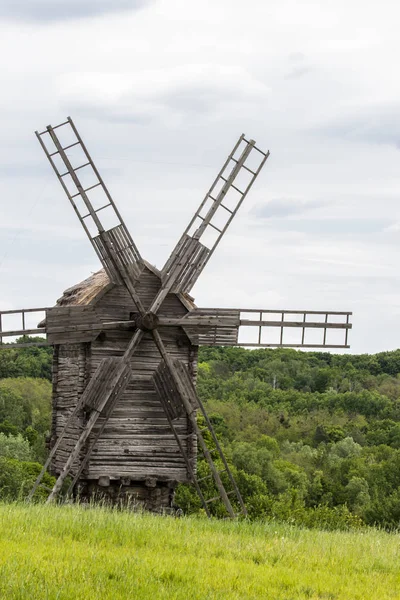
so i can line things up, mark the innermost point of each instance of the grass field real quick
(73, 552)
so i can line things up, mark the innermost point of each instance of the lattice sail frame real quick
(117, 237)
(228, 327)
(220, 205)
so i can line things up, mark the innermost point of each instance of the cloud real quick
(55, 10)
(377, 124)
(298, 65)
(37, 169)
(284, 207)
(183, 91)
(297, 72)
(336, 227)
(314, 217)
(171, 86)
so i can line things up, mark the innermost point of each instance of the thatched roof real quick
(98, 283)
(86, 291)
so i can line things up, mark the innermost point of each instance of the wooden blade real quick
(105, 387)
(221, 327)
(213, 217)
(18, 323)
(175, 389)
(178, 396)
(100, 396)
(267, 328)
(113, 244)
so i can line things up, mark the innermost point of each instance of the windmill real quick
(126, 415)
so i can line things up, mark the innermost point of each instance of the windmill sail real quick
(263, 328)
(114, 246)
(214, 215)
(178, 395)
(22, 322)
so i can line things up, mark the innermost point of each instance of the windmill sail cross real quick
(126, 417)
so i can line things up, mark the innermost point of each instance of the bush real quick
(15, 447)
(17, 479)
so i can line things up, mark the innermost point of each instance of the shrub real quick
(15, 447)
(17, 479)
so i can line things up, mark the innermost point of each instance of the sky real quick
(160, 90)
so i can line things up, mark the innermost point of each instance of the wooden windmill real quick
(126, 416)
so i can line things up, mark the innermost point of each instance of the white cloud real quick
(50, 10)
(176, 93)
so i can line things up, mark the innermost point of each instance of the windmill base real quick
(151, 494)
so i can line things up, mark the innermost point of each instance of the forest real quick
(313, 438)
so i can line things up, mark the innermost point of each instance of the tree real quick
(15, 447)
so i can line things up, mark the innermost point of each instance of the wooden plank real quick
(168, 392)
(302, 324)
(23, 310)
(245, 345)
(16, 332)
(221, 311)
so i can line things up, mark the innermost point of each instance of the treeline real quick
(26, 362)
(25, 413)
(312, 438)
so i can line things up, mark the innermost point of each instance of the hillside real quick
(76, 553)
(313, 438)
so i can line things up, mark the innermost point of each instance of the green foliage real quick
(335, 426)
(17, 478)
(25, 410)
(26, 362)
(32, 396)
(15, 447)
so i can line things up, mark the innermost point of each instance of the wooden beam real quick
(17, 332)
(244, 345)
(42, 312)
(302, 324)
(23, 310)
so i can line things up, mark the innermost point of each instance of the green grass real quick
(73, 552)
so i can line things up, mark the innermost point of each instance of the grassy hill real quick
(72, 552)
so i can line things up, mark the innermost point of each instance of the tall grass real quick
(73, 552)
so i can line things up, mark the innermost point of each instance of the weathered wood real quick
(23, 330)
(187, 393)
(168, 391)
(116, 249)
(125, 360)
(116, 446)
(114, 388)
(189, 257)
(128, 418)
(224, 327)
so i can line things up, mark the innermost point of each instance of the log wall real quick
(137, 445)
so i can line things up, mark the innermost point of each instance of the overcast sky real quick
(160, 91)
